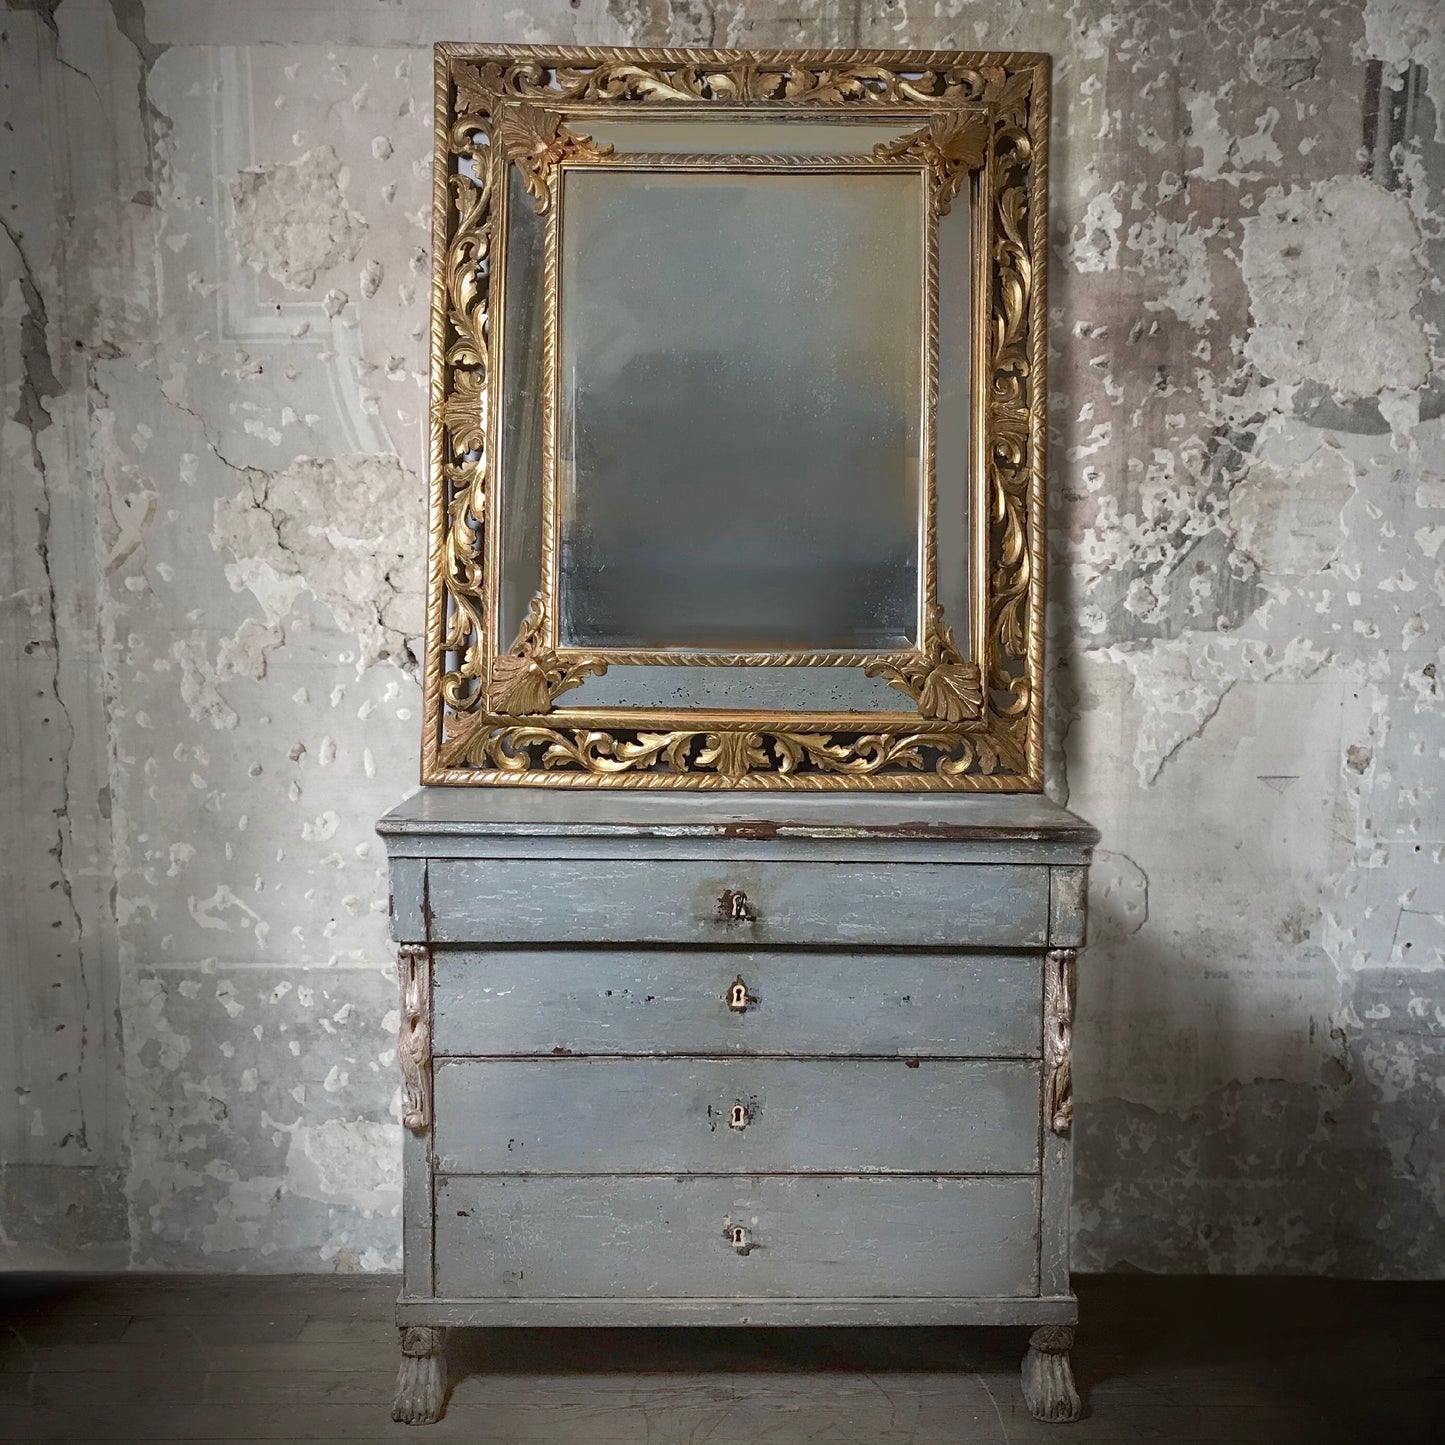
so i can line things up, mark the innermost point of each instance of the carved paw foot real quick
(421, 1383)
(1048, 1377)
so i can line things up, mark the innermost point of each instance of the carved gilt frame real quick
(491, 714)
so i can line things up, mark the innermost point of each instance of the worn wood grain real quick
(614, 1116)
(525, 1237)
(509, 900)
(655, 1001)
(858, 1311)
(1068, 905)
(1212, 1361)
(508, 813)
(406, 899)
(416, 1211)
(1057, 1185)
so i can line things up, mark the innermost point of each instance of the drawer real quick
(555, 900)
(645, 1116)
(532, 1237)
(654, 1001)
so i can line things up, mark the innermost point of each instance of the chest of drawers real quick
(721, 1059)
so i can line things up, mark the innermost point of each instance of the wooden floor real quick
(314, 1358)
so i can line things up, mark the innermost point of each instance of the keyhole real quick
(733, 907)
(738, 995)
(738, 1119)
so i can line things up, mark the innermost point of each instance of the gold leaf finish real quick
(951, 146)
(537, 142)
(525, 680)
(980, 140)
(945, 687)
(734, 755)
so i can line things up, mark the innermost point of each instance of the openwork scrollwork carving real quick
(492, 711)
(537, 142)
(950, 145)
(526, 679)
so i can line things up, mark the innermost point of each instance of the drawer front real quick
(554, 900)
(532, 1237)
(626, 1001)
(736, 1115)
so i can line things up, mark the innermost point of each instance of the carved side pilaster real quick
(1058, 1039)
(413, 1049)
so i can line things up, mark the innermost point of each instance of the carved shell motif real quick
(519, 686)
(537, 142)
(951, 693)
(949, 145)
(524, 681)
(944, 687)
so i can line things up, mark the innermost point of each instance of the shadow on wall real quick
(1264, 1175)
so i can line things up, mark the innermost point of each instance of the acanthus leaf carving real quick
(733, 754)
(527, 678)
(952, 145)
(944, 686)
(861, 77)
(978, 725)
(537, 142)
(413, 1049)
(1059, 966)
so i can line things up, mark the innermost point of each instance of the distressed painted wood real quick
(750, 817)
(883, 851)
(1068, 906)
(664, 901)
(807, 1313)
(1057, 1178)
(654, 1001)
(744, 1115)
(713, 1060)
(416, 1214)
(791, 1236)
(406, 899)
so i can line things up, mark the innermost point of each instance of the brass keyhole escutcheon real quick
(733, 907)
(739, 1118)
(738, 997)
(738, 1236)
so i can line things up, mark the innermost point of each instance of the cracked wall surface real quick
(213, 273)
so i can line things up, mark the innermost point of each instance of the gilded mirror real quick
(737, 419)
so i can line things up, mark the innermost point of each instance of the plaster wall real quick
(213, 271)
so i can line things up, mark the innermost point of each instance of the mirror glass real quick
(740, 399)
(517, 495)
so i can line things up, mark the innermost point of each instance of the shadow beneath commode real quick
(729, 1349)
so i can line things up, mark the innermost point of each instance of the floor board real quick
(1190, 1362)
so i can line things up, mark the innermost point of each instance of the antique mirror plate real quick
(737, 419)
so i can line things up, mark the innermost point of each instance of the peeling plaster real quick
(1286, 60)
(1334, 277)
(344, 530)
(292, 220)
(1406, 33)
(1289, 522)
(213, 366)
